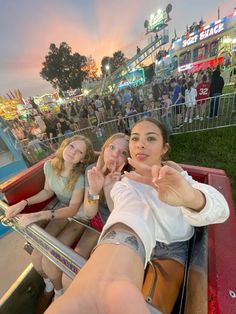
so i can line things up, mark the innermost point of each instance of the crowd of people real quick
(173, 101)
(146, 206)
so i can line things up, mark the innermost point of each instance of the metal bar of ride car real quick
(64, 257)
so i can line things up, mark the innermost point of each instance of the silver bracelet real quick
(92, 197)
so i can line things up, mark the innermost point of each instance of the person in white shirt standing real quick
(100, 112)
(190, 102)
(153, 205)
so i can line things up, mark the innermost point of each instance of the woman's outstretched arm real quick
(41, 196)
(201, 204)
(64, 212)
(109, 283)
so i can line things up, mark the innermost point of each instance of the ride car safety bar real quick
(64, 257)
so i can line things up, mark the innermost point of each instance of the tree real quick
(114, 62)
(106, 61)
(118, 59)
(62, 68)
(91, 69)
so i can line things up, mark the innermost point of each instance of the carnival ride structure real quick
(157, 22)
(206, 46)
(109, 82)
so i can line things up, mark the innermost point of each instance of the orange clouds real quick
(116, 24)
(110, 27)
(109, 34)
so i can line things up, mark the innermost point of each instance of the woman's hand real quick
(172, 188)
(98, 180)
(114, 176)
(96, 177)
(13, 210)
(27, 219)
(95, 180)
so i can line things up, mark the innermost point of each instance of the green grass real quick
(213, 148)
(228, 89)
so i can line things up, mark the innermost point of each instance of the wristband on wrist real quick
(27, 203)
(93, 198)
(52, 214)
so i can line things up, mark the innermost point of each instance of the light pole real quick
(107, 67)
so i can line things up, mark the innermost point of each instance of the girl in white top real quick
(154, 203)
(190, 101)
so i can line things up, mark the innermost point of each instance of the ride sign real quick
(190, 41)
(211, 31)
(157, 21)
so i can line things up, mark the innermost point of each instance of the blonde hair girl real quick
(64, 177)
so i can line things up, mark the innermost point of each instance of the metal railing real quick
(212, 113)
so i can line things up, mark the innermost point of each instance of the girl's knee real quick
(36, 258)
(51, 270)
(36, 255)
(66, 281)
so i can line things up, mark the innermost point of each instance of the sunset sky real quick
(90, 27)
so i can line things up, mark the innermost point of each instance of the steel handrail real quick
(64, 257)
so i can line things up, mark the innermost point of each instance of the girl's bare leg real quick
(66, 282)
(84, 247)
(54, 227)
(86, 243)
(68, 236)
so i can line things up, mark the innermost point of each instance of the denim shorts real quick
(125, 238)
(177, 251)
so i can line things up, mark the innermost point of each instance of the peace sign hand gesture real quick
(172, 188)
(96, 178)
(114, 176)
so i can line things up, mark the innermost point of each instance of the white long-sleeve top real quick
(138, 206)
(190, 97)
